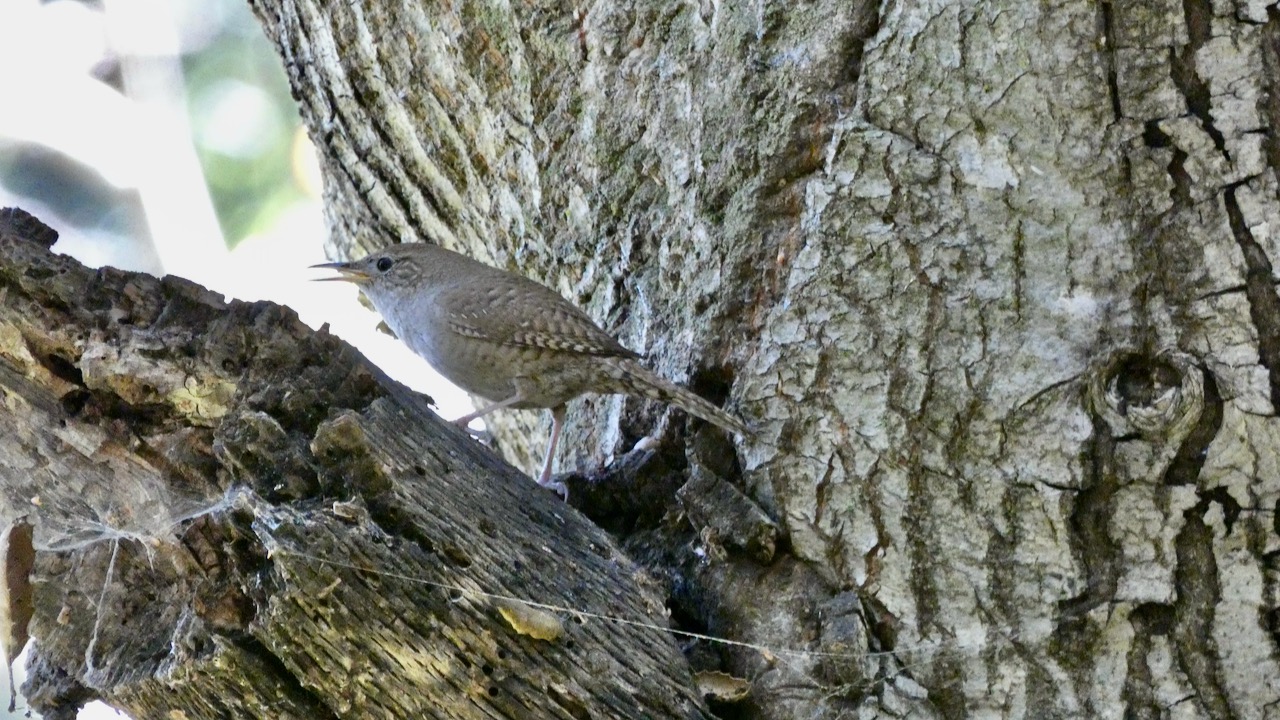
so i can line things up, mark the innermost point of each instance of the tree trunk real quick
(992, 280)
(238, 517)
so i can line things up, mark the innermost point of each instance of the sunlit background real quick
(159, 136)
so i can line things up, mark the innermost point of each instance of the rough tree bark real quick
(992, 279)
(236, 517)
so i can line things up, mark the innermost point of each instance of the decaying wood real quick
(236, 517)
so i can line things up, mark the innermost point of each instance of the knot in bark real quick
(1156, 397)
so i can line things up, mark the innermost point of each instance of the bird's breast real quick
(471, 364)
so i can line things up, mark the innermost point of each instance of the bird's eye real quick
(384, 264)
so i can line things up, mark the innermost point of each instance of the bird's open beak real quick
(347, 272)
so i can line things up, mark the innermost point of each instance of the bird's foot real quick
(483, 436)
(560, 488)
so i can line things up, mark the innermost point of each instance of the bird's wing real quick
(521, 313)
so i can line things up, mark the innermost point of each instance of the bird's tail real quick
(635, 379)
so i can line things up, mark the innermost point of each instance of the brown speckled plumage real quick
(506, 338)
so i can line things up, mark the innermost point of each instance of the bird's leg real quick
(557, 422)
(465, 420)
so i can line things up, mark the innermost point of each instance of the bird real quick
(507, 339)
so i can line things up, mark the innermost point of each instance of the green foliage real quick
(244, 124)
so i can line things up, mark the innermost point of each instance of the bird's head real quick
(393, 271)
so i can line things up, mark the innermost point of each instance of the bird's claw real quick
(483, 436)
(560, 488)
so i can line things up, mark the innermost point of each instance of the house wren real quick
(506, 338)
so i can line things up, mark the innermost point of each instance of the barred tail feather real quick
(635, 379)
